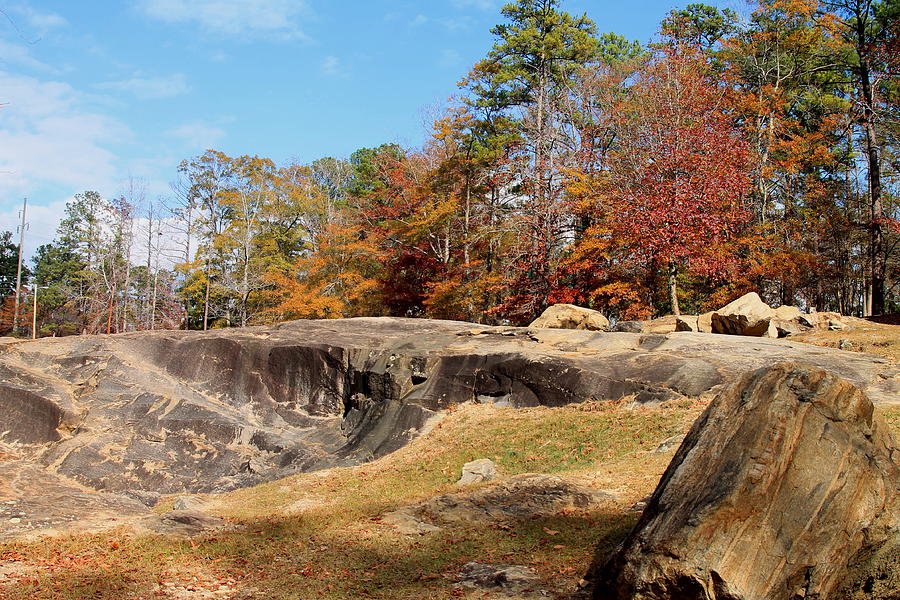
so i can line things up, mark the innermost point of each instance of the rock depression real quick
(182, 412)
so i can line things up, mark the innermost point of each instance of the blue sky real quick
(97, 93)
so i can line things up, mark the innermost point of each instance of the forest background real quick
(730, 155)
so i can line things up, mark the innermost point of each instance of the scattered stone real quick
(15, 520)
(184, 523)
(477, 471)
(845, 344)
(509, 579)
(818, 320)
(519, 497)
(629, 327)
(569, 316)
(696, 323)
(787, 328)
(748, 315)
(785, 487)
(669, 444)
(704, 322)
(837, 325)
(405, 522)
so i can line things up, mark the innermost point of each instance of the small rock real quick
(406, 523)
(629, 327)
(15, 520)
(788, 328)
(507, 578)
(845, 344)
(477, 471)
(186, 523)
(819, 320)
(669, 444)
(787, 313)
(835, 325)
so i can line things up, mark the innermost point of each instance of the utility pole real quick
(34, 313)
(19, 269)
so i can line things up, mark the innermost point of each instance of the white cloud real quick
(418, 20)
(150, 88)
(332, 67)
(18, 55)
(47, 138)
(42, 223)
(278, 18)
(197, 136)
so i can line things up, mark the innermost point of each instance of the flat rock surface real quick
(172, 412)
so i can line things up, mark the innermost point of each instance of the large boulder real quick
(697, 323)
(569, 316)
(787, 313)
(784, 489)
(748, 315)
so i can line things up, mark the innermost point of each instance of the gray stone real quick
(669, 444)
(477, 471)
(509, 579)
(837, 325)
(629, 327)
(520, 497)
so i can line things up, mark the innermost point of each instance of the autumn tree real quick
(868, 28)
(678, 177)
(527, 74)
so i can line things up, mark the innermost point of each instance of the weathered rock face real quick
(189, 412)
(569, 316)
(785, 485)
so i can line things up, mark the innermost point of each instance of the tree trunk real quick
(673, 288)
(206, 300)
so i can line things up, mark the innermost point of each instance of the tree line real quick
(727, 156)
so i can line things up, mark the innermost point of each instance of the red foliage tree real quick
(678, 179)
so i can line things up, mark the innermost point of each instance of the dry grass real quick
(864, 336)
(319, 535)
